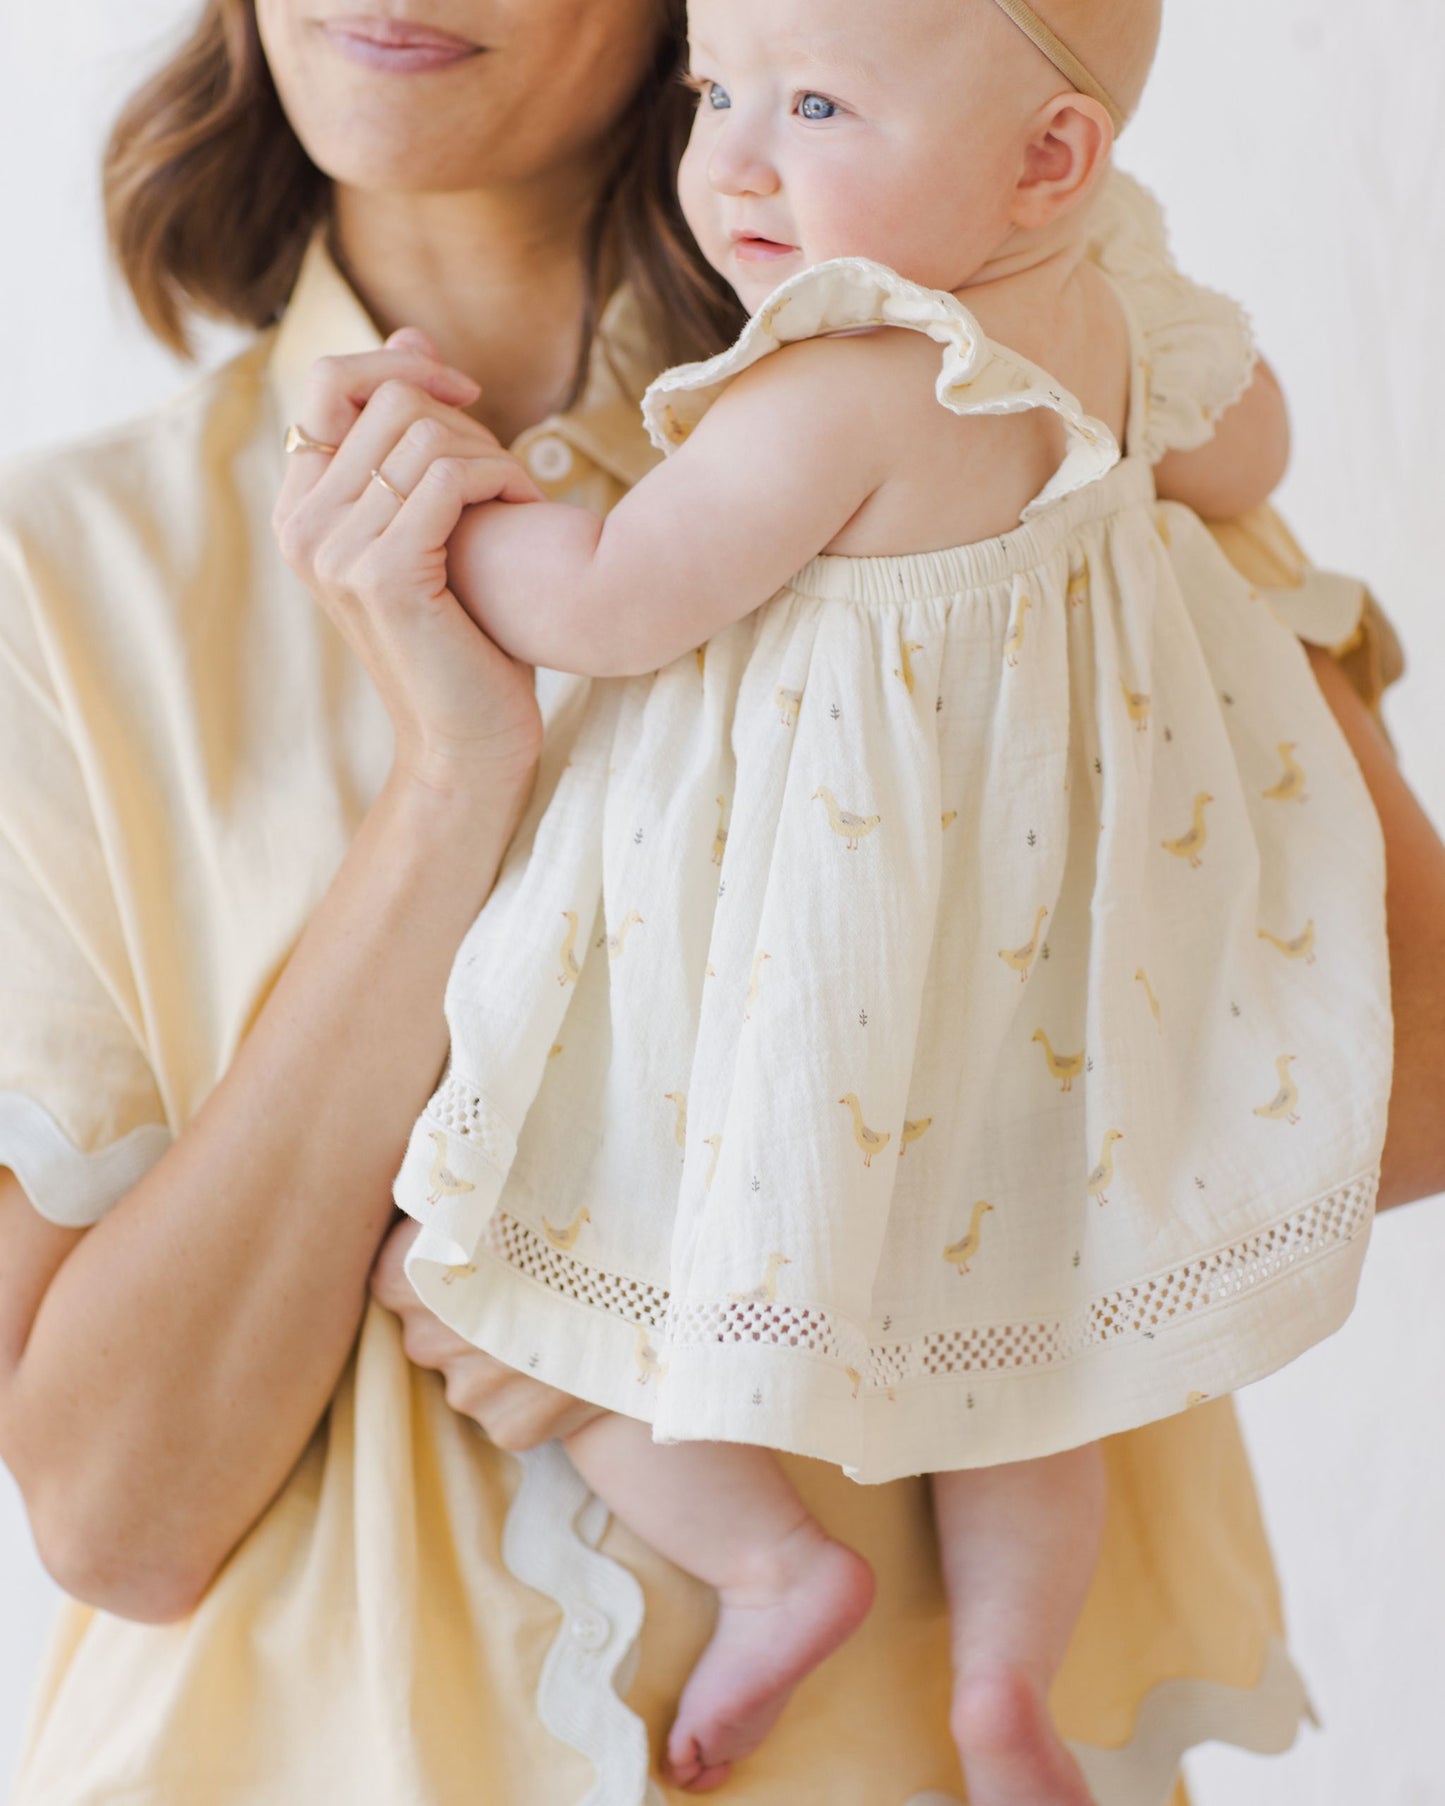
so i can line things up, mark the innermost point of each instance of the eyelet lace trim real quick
(462, 1111)
(1131, 1313)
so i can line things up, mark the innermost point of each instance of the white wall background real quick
(1299, 148)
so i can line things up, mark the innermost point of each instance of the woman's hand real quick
(464, 713)
(515, 1412)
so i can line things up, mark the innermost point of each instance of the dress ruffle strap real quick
(849, 294)
(1198, 344)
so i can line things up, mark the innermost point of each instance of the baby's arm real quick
(1242, 465)
(773, 472)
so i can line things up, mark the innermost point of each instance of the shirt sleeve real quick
(81, 1114)
(1324, 608)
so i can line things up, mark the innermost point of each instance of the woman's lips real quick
(396, 46)
(760, 250)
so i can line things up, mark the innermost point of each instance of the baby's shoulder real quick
(945, 475)
(882, 380)
(858, 364)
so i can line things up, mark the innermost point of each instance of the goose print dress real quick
(944, 1019)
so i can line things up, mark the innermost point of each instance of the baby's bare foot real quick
(770, 1634)
(1012, 1755)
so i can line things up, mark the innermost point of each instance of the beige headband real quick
(1059, 54)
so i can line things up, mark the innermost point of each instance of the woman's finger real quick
(334, 541)
(344, 508)
(406, 561)
(338, 388)
(434, 503)
(389, 1283)
(515, 1412)
(337, 392)
(399, 410)
(412, 338)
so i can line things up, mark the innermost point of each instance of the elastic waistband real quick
(926, 576)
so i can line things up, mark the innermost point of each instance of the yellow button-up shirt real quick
(187, 748)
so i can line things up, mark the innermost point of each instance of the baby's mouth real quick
(750, 248)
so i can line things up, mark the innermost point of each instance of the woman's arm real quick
(1415, 908)
(161, 1373)
(1242, 465)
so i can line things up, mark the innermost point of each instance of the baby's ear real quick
(1068, 145)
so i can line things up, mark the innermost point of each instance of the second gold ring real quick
(387, 485)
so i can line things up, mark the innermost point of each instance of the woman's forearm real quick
(188, 1345)
(1414, 1164)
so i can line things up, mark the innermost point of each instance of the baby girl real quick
(934, 1014)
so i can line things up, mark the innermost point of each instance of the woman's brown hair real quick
(211, 200)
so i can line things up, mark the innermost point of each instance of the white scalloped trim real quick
(845, 293)
(1199, 343)
(71, 1188)
(549, 1542)
(1177, 1716)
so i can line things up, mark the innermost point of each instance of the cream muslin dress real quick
(187, 747)
(946, 1019)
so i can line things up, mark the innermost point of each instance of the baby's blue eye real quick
(717, 98)
(813, 106)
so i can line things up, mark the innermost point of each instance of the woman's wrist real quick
(456, 815)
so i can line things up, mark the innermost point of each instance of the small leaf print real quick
(862, 1018)
(1099, 767)
(1089, 1064)
(970, 1401)
(1169, 736)
(722, 887)
(637, 838)
(757, 1395)
(757, 1183)
(1226, 699)
(1078, 1258)
(1235, 1010)
(938, 706)
(1044, 952)
(835, 712)
(601, 940)
(534, 1361)
(1033, 838)
(1198, 1183)
(887, 1324)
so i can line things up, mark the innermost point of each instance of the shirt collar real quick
(325, 318)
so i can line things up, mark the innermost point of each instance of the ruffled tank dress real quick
(944, 1019)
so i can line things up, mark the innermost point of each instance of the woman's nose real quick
(739, 165)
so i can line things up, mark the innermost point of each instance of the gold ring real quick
(298, 440)
(389, 486)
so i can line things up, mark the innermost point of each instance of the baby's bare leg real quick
(1019, 1545)
(788, 1595)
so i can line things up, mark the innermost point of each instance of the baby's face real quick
(842, 128)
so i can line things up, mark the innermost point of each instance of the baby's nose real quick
(739, 165)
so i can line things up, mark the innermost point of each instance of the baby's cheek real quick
(695, 193)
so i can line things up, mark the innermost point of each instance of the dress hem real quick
(1147, 1355)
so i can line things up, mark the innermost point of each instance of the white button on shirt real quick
(550, 459)
(590, 1631)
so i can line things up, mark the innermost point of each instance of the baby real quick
(903, 988)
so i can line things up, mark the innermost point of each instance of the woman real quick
(239, 839)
